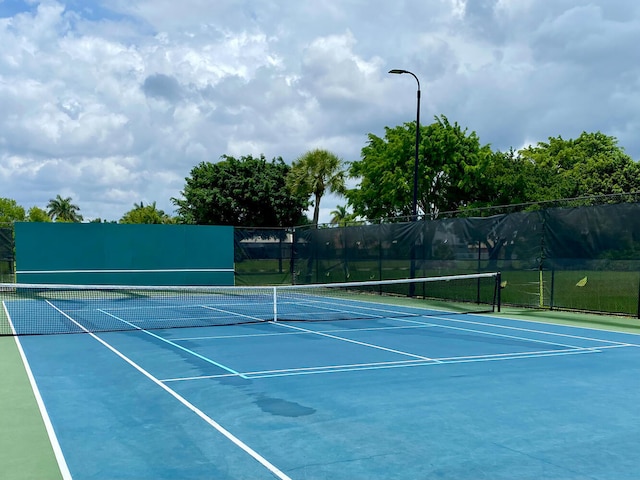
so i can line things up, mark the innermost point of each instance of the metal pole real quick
(416, 163)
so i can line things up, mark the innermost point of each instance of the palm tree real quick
(62, 210)
(340, 216)
(314, 173)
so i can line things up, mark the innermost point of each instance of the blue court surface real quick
(415, 397)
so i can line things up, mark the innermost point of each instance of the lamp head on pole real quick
(400, 71)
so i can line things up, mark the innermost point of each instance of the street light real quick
(414, 210)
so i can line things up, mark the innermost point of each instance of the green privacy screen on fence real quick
(584, 258)
(115, 254)
(6, 254)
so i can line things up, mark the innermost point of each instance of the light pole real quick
(414, 210)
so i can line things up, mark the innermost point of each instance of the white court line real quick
(544, 332)
(348, 340)
(244, 335)
(568, 326)
(484, 332)
(340, 302)
(121, 270)
(233, 314)
(332, 307)
(445, 361)
(235, 440)
(333, 330)
(155, 306)
(55, 445)
(486, 324)
(481, 332)
(179, 347)
(300, 369)
(171, 320)
(404, 363)
(421, 364)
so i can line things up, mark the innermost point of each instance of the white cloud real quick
(116, 104)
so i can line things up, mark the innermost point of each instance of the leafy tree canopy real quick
(457, 172)
(592, 164)
(10, 211)
(247, 191)
(145, 214)
(448, 166)
(501, 178)
(37, 214)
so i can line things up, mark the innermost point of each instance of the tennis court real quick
(398, 391)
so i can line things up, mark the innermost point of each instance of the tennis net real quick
(54, 309)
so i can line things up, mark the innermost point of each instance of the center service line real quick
(371, 345)
(173, 344)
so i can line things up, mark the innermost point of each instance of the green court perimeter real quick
(25, 451)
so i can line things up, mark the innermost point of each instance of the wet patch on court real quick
(282, 408)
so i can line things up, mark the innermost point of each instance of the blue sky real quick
(112, 103)
(88, 10)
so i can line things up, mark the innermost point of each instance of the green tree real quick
(62, 210)
(502, 178)
(37, 214)
(10, 211)
(145, 214)
(243, 192)
(315, 173)
(449, 159)
(592, 164)
(341, 216)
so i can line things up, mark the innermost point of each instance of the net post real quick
(638, 300)
(275, 304)
(498, 301)
(551, 295)
(541, 287)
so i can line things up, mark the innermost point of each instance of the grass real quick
(611, 292)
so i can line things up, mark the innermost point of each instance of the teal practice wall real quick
(117, 254)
